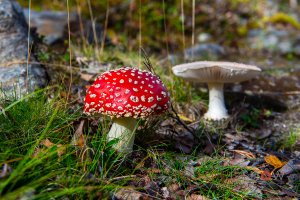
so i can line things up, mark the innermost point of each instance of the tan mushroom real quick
(215, 74)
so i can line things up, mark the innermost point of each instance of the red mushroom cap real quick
(127, 92)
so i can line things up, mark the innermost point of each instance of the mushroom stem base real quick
(123, 129)
(216, 107)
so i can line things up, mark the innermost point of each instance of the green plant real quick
(35, 142)
(251, 118)
(291, 139)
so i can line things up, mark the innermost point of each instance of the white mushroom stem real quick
(123, 129)
(216, 106)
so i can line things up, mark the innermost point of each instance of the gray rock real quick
(15, 75)
(274, 40)
(53, 25)
(49, 24)
(204, 37)
(290, 167)
(296, 46)
(204, 51)
(297, 50)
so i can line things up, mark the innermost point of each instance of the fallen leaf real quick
(86, 77)
(237, 160)
(47, 143)
(184, 118)
(274, 161)
(78, 137)
(154, 171)
(245, 153)
(196, 197)
(265, 176)
(124, 194)
(173, 187)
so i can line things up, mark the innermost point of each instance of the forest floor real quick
(53, 150)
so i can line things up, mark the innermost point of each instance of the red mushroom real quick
(126, 94)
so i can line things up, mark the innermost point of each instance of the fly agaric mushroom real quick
(126, 94)
(215, 74)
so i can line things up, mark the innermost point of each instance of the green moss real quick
(283, 18)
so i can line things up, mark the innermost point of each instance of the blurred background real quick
(213, 28)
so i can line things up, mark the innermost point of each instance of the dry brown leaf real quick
(86, 77)
(153, 170)
(196, 197)
(274, 161)
(78, 137)
(265, 176)
(174, 187)
(47, 143)
(81, 141)
(245, 153)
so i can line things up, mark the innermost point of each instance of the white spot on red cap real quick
(120, 108)
(93, 95)
(150, 99)
(134, 99)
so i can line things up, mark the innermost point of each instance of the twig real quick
(70, 52)
(121, 177)
(147, 61)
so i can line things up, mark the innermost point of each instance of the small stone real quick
(293, 179)
(165, 192)
(208, 50)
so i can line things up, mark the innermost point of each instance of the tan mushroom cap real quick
(216, 72)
